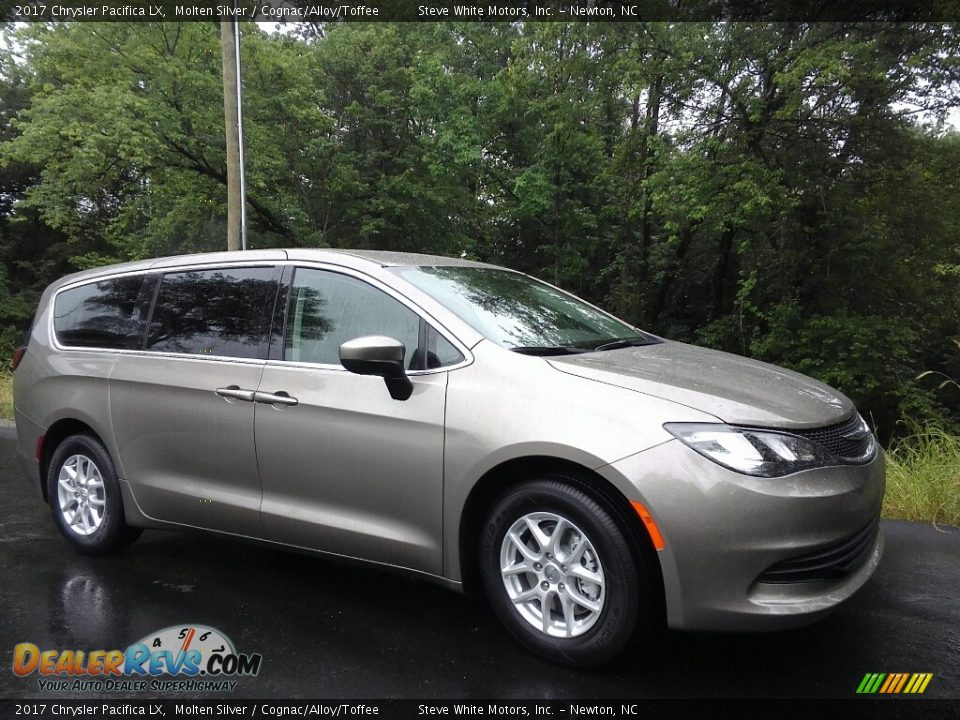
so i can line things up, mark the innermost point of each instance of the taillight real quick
(18, 355)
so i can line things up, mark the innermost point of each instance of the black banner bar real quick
(489, 11)
(626, 709)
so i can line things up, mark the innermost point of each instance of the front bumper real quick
(748, 553)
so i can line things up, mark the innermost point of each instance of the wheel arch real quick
(59, 431)
(515, 471)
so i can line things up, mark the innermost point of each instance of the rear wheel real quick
(84, 497)
(561, 574)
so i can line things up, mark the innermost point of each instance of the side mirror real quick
(381, 356)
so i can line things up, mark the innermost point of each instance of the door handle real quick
(234, 392)
(280, 397)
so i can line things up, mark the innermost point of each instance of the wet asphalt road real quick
(328, 629)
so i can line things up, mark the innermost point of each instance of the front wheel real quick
(560, 572)
(84, 497)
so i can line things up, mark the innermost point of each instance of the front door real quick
(348, 469)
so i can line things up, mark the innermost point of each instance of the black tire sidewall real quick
(112, 531)
(619, 616)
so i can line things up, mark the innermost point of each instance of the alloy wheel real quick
(81, 494)
(552, 574)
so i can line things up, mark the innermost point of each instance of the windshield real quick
(521, 313)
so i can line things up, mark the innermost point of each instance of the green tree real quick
(779, 190)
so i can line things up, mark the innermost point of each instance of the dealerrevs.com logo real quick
(201, 658)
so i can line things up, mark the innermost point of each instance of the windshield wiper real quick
(624, 343)
(548, 350)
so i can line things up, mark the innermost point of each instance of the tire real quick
(619, 604)
(87, 506)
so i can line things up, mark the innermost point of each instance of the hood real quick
(735, 389)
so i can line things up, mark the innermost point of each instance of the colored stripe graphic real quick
(923, 679)
(894, 683)
(891, 680)
(903, 679)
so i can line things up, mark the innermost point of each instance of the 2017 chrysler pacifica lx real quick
(455, 419)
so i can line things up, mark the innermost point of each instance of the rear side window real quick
(104, 314)
(223, 312)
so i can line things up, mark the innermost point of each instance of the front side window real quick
(103, 314)
(521, 313)
(327, 308)
(223, 312)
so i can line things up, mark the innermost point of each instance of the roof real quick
(351, 258)
(388, 258)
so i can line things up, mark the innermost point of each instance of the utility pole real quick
(233, 123)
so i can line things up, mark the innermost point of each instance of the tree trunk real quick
(626, 301)
(654, 95)
(232, 127)
(723, 272)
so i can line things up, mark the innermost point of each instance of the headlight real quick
(763, 453)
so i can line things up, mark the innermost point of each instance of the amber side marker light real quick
(18, 356)
(649, 523)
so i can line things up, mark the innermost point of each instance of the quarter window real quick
(103, 314)
(440, 351)
(223, 312)
(327, 309)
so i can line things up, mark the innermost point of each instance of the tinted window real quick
(222, 312)
(102, 314)
(326, 309)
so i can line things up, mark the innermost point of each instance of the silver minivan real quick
(453, 419)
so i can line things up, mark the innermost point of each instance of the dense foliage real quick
(768, 189)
